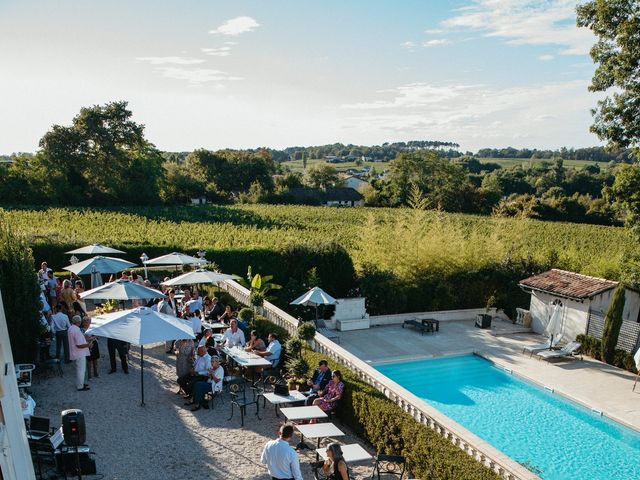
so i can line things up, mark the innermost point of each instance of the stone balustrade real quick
(408, 402)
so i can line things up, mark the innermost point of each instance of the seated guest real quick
(233, 336)
(255, 343)
(207, 341)
(333, 393)
(215, 375)
(318, 381)
(227, 316)
(335, 466)
(207, 306)
(198, 373)
(272, 353)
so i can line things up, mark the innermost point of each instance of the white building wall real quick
(15, 457)
(574, 314)
(600, 303)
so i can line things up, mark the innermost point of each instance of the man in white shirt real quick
(280, 458)
(60, 326)
(212, 384)
(233, 336)
(199, 372)
(273, 350)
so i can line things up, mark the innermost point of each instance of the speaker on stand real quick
(74, 430)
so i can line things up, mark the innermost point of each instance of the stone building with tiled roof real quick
(584, 301)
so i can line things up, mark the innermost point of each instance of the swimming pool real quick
(553, 437)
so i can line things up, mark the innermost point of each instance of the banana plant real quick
(259, 287)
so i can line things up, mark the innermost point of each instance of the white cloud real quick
(197, 76)
(218, 52)
(546, 58)
(170, 60)
(408, 45)
(434, 31)
(436, 42)
(544, 115)
(236, 26)
(526, 22)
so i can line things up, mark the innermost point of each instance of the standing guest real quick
(196, 301)
(51, 284)
(185, 353)
(68, 296)
(212, 384)
(198, 373)
(94, 349)
(318, 381)
(165, 288)
(60, 327)
(58, 290)
(79, 304)
(42, 273)
(233, 336)
(121, 346)
(78, 352)
(333, 394)
(217, 310)
(335, 466)
(280, 458)
(272, 353)
(255, 343)
(168, 306)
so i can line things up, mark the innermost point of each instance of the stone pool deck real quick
(589, 382)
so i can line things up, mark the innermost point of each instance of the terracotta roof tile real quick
(568, 284)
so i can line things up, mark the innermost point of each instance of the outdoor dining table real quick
(319, 431)
(245, 359)
(215, 325)
(351, 453)
(303, 413)
(275, 400)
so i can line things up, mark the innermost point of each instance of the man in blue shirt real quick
(273, 350)
(319, 381)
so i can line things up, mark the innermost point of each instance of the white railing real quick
(408, 402)
(520, 314)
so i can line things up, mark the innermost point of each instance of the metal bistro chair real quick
(238, 390)
(389, 465)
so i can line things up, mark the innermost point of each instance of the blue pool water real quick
(555, 438)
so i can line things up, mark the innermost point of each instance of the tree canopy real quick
(616, 24)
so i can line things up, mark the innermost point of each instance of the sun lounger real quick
(322, 329)
(418, 326)
(565, 352)
(542, 346)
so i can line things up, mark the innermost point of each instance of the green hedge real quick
(392, 431)
(592, 347)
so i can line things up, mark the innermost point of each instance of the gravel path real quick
(163, 439)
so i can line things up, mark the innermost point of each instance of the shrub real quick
(621, 359)
(297, 368)
(246, 315)
(20, 294)
(612, 324)
(294, 346)
(306, 331)
(390, 430)
(264, 327)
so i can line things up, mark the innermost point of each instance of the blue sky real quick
(214, 74)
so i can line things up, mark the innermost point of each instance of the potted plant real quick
(259, 287)
(297, 369)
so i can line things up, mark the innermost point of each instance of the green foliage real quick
(246, 315)
(259, 287)
(626, 191)
(591, 347)
(616, 53)
(20, 294)
(306, 331)
(612, 323)
(264, 327)
(392, 431)
(322, 176)
(297, 367)
(294, 346)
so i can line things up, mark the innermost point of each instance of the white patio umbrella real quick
(122, 290)
(94, 249)
(199, 276)
(314, 297)
(140, 326)
(102, 265)
(175, 258)
(554, 327)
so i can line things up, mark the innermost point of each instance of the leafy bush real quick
(246, 315)
(297, 367)
(306, 331)
(264, 327)
(294, 346)
(591, 347)
(390, 430)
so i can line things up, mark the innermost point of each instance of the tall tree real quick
(322, 176)
(626, 191)
(616, 24)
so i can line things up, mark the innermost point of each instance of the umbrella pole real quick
(316, 314)
(141, 373)
(634, 383)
